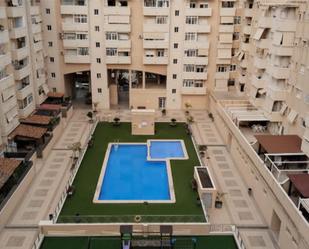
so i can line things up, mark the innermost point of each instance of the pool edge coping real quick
(169, 176)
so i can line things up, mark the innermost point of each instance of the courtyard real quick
(80, 206)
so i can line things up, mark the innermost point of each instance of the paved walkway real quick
(46, 188)
(238, 207)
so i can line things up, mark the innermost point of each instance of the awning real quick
(292, 116)
(28, 131)
(301, 183)
(37, 119)
(283, 108)
(55, 95)
(258, 34)
(45, 88)
(277, 38)
(37, 37)
(50, 107)
(7, 168)
(11, 114)
(262, 91)
(276, 144)
(8, 93)
(241, 55)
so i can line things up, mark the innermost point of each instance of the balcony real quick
(19, 32)
(227, 11)
(222, 75)
(118, 59)
(279, 72)
(193, 90)
(41, 80)
(264, 22)
(155, 44)
(4, 36)
(2, 13)
(242, 79)
(198, 12)
(9, 104)
(260, 63)
(276, 93)
(5, 59)
(19, 54)
(156, 28)
(118, 27)
(71, 26)
(22, 73)
(77, 59)
(15, 11)
(153, 11)
(75, 43)
(195, 60)
(248, 12)
(282, 50)
(198, 28)
(247, 30)
(284, 25)
(196, 45)
(36, 28)
(35, 10)
(263, 43)
(74, 10)
(118, 43)
(37, 46)
(194, 75)
(6, 82)
(226, 28)
(155, 60)
(258, 83)
(24, 92)
(245, 46)
(25, 112)
(118, 11)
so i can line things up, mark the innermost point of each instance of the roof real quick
(28, 131)
(280, 143)
(50, 107)
(7, 167)
(37, 119)
(301, 183)
(55, 95)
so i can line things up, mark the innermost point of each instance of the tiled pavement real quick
(47, 187)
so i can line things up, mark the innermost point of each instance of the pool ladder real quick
(116, 142)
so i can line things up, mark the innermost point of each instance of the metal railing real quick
(132, 219)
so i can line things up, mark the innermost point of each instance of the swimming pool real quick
(163, 149)
(129, 176)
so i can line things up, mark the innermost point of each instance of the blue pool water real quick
(129, 176)
(166, 149)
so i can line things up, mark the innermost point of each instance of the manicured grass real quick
(209, 242)
(88, 174)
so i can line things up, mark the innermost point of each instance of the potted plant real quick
(95, 106)
(202, 154)
(190, 119)
(163, 111)
(116, 121)
(187, 106)
(211, 116)
(218, 201)
(173, 122)
(90, 116)
(202, 147)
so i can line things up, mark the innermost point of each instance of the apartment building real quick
(22, 80)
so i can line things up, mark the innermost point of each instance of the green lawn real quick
(205, 242)
(87, 178)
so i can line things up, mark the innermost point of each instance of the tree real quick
(187, 106)
(90, 116)
(173, 122)
(76, 148)
(116, 121)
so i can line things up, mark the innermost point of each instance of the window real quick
(161, 20)
(98, 60)
(99, 90)
(160, 53)
(174, 61)
(191, 20)
(175, 45)
(173, 91)
(47, 11)
(191, 52)
(53, 75)
(81, 36)
(176, 29)
(189, 36)
(97, 44)
(174, 76)
(97, 28)
(200, 68)
(49, 27)
(51, 59)
(192, 5)
(192, 83)
(176, 12)
(50, 44)
(96, 11)
(221, 69)
(237, 20)
(83, 51)
(54, 89)
(111, 51)
(232, 68)
(111, 36)
(188, 68)
(80, 18)
(98, 75)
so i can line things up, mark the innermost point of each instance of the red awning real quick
(50, 107)
(301, 183)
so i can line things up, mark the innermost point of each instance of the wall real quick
(146, 97)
